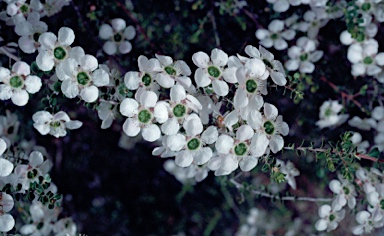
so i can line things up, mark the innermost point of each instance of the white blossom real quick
(55, 125)
(117, 36)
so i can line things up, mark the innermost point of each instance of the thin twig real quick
(214, 25)
(137, 23)
(8, 54)
(359, 155)
(276, 197)
(344, 95)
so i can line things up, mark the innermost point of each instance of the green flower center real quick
(366, 6)
(83, 78)
(179, 110)
(36, 37)
(241, 149)
(32, 174)
(328, 112)
(382, 204)
(274, 36)
(117, 37)
(16, 82)
(59, 53)
(145, 116)
(24, 8)
(193, 144)
(214, 71)
(368, 60)
(304, 57)
(332, 217)
(124, 91)
(170, 70)
(346, 190)
(269, 127)
(268, 63)
(55, 124)
(251, 86)
(146, 79)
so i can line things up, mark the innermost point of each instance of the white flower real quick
(6, 220)
(19, 10)
(54, 49)
(106, 112)
(234, 152)
(16, 84)
(329, 114)
(364, 58)
(186, 175)
(180, 105)
(30, 31)
(6, 166)
(82, 77)
(268, 128)
(117, 35)
(366, 223)
(345, 192)
(191, 147)
(362, 146)
(65, 227)
(279, 5)
(141, 116)
(211, 70)
(314, 19)
(274, 67)
(173, 71)
(329, 218)
(55, 125)
(146, 77)
(363, 124)
(303, 55)
(52, 7)
(275, 35)
(289, 171)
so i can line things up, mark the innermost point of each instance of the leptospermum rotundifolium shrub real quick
(226, 114)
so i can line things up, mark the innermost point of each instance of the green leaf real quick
(374, 152)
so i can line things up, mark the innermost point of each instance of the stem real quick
(276, 197)
(359, 155)
(214, 25)
(344, 95)
(8, 54)
(137, 23)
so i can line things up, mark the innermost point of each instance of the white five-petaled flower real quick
(117, 35)
(81, 76)
(141, 115)
(303, 55)
(274, 67)
(212, 71)
(180, 105)
(365, 58)
(345, 192)
(275, 35)
(366, 223)
(329, 114)
(190, 148)
(55, 125)
(30, 30)
(145, 77)
(234, 152)
(16, 84)
(54, 50)
(6, 220)
(172, 71)
(269, 128)
(329, 218)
